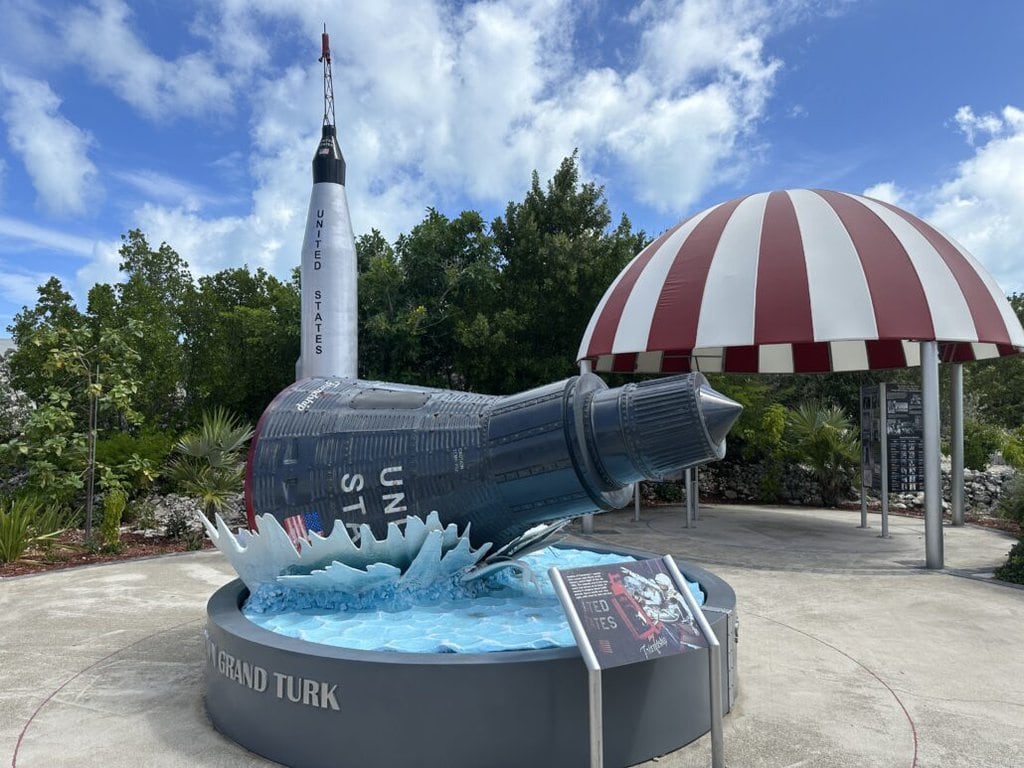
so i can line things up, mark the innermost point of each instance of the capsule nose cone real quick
(719, 412)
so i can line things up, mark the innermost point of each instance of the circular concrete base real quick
(311, 706)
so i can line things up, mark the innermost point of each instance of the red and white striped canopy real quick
(804, 281)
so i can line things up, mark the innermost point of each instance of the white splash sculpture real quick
(423, 554)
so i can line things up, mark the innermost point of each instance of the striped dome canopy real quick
(804, 281)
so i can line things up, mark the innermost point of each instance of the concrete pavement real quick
(850, 654)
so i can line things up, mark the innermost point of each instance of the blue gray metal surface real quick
(360, 452)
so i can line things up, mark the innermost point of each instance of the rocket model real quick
(345, 452)
(329, 274)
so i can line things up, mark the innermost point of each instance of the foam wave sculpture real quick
(424, 553)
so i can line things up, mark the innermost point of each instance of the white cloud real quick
(162, 188)
(24, 233)
(973, 125)
(983, 205)
(20, 288)
(103, 40)
(27, 36)
(437, 104)
(888, 192)
(53, 149)
(103, 267)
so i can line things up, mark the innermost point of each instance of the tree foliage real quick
(496, 309)
(154, 294)
(997, 386)
(241, 342)
(85, 382)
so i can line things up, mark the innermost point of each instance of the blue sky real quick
(196, 120)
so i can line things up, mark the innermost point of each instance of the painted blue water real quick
(499, 613)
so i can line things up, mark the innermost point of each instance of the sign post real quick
(632, 612)
(891, 444)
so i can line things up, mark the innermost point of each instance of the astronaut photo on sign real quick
(660, 600)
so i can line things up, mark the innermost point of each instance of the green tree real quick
(557, 255)
(84, 377)
(389, 321)
(242, 341)
(997, 386)
(155, 292)
(450, 273)
(54, 310)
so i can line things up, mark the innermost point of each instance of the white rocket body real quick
(329, 273)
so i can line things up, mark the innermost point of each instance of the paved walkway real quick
(850, 654)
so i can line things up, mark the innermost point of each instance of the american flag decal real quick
(298, 527)
(604, 646)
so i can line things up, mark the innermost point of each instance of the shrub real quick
(824, 438)
(131, 459)
(180, 525)
(670, 491)
(1011, 500)
(114, 502)
(981, 440)
(1013, 569)
(210, 464)
(1013, 448)
(25, 522)
(15, 530)
(142, 514)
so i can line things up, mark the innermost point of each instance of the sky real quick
(196, 121)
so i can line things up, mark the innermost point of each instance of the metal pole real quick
(588, 519)
(596, 724)
(932, 480)
(865, 442)
(883, 439)
(696, 494)
(596, 716)
(956, 440)
(715, 670)
(688, 482)
(636, 502)
(714, 665)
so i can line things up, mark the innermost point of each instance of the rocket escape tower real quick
(325, 57)
(328, 165)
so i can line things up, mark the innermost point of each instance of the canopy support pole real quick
(587, 521)
(932, 477)
(956, 440)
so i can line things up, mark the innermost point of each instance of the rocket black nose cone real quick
(719, 412)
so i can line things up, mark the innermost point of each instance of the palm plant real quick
(210, 464)
(824, 438)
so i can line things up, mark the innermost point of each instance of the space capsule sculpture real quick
(339, 451)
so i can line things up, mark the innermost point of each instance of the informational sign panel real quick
(904, 429)
(632, 612)
(903, 422)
